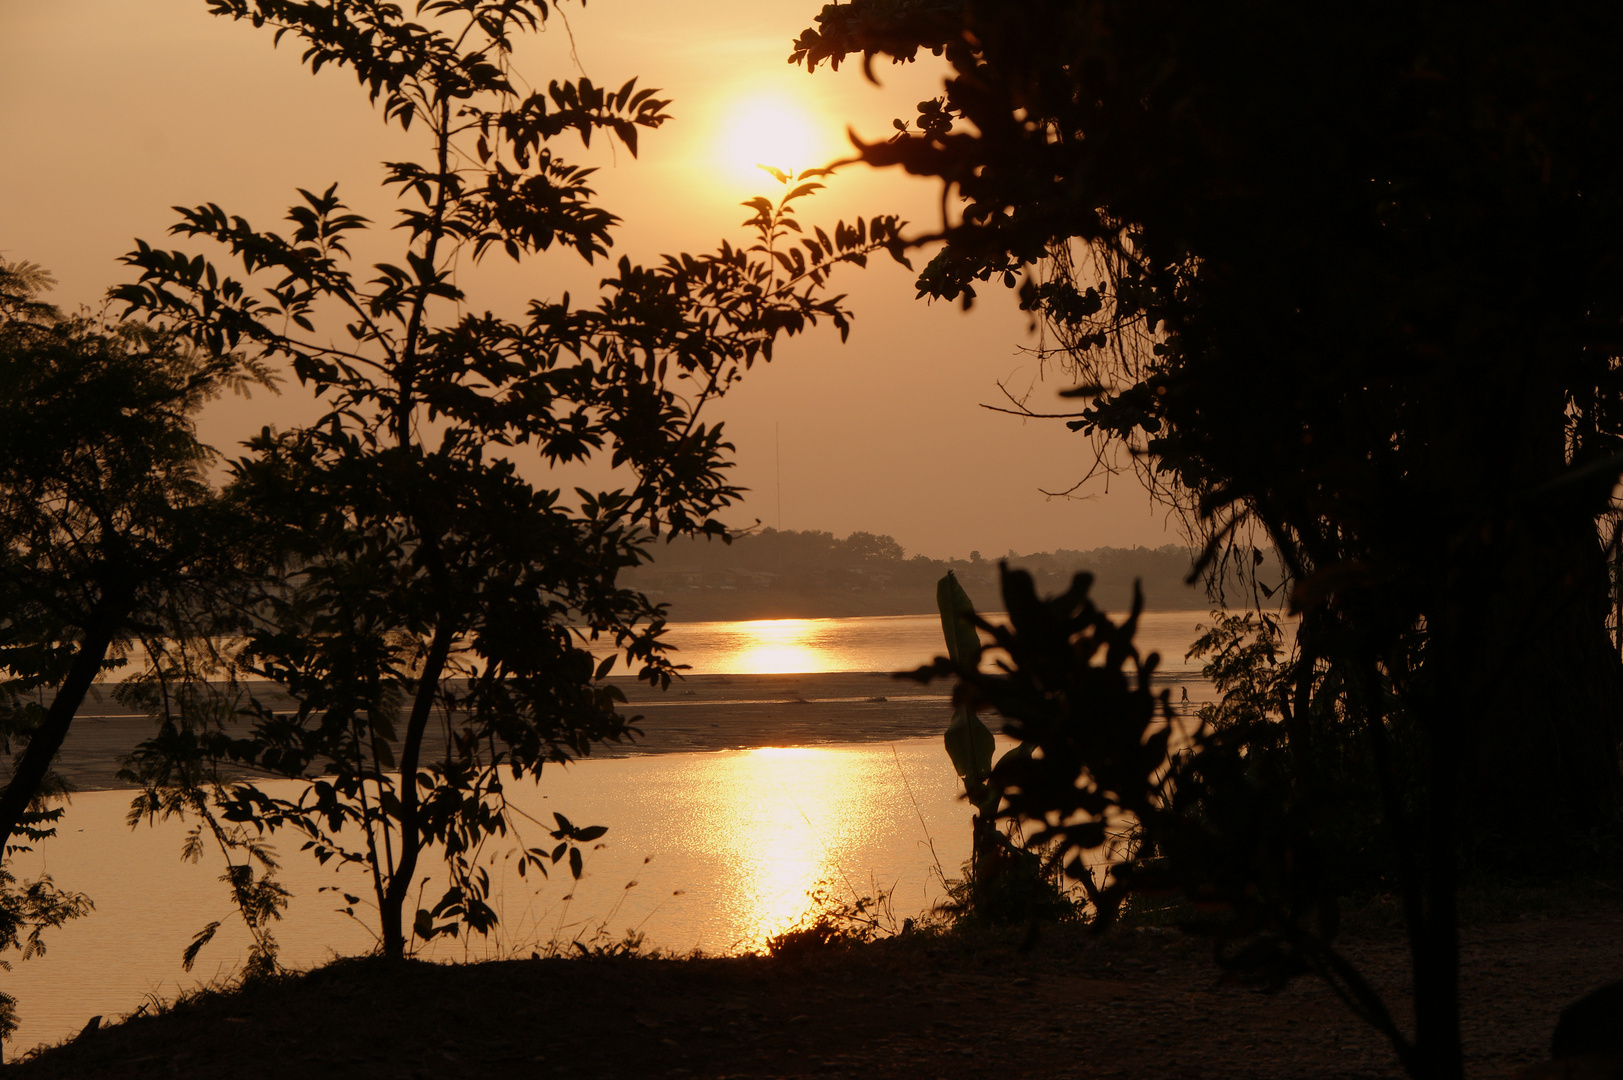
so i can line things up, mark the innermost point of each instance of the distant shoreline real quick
(724, 604)
(775, 574)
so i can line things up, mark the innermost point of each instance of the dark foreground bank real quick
(1143, 1005)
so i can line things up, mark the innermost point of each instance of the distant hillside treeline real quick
(787, 574)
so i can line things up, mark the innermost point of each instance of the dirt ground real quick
(1144, 1004)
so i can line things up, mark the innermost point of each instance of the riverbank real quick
(699, 713)
(702, 712)
(1141, 1005)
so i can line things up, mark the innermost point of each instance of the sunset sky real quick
(115, 111)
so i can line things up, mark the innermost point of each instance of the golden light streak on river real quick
(780, 646)
(791, 813)
(800, 646)
(714, 851)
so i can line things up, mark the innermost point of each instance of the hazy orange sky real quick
(115, 110)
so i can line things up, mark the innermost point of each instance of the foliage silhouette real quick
(1215, 815)
(833, 922)
(25, 914)
(108, 530)
(1248, 666)
(1005, 880)
(181, 688)
(106, 518)
(1353, 286)
(442, 625)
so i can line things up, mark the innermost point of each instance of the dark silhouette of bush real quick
(1223, 817)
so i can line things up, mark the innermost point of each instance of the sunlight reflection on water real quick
(878, 643)
(744, 836)
(793, 646)
(774, 646)
(712, 851)
(793, 818)
(722, 848)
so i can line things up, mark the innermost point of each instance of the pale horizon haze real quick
(116, 110)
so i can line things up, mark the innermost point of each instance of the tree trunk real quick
(1543, 688)
(391, 914)
(47, 740)
(1433, 923)
(1516, 602)
(1517, 703)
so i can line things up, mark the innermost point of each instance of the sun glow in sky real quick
(828, 437)
(774, 131)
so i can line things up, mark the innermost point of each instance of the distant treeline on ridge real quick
(790, 574)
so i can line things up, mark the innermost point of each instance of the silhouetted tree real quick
(108, 529)
(1351, 278)
(866, 547)
(439, 615)
(108, 525)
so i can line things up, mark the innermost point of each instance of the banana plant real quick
(1001, 872)
(969, 741)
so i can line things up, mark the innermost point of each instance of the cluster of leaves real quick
(179, 781)
(1005, 880)
(105, 513)
(1268, 280)
(1248, 665)
(26, 912)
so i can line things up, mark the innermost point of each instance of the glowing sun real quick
(771, 131)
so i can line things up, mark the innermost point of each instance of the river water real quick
(889, 643)
(711, 851)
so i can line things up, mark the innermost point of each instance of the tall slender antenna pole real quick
(777, 450)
